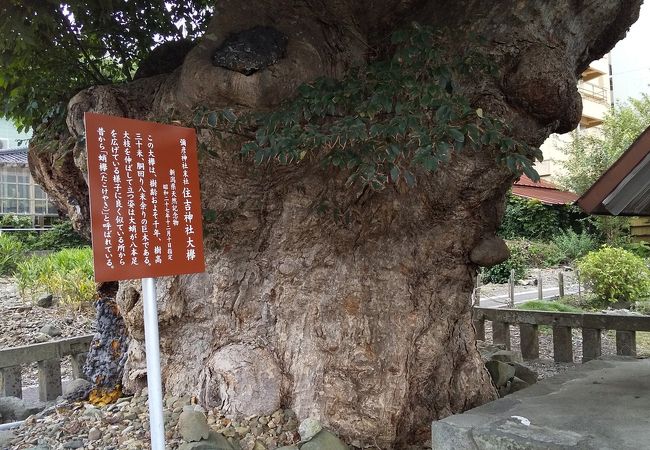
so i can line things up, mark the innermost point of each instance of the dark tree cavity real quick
(344, 303)
(251, 50)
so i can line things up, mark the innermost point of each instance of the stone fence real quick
(48, 356)
(591, 325)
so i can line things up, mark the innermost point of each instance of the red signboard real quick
(145, 204)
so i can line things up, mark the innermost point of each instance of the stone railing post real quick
(49, 379)
(625, 343)
(591, 344)
(529, 339)
(11, 382)
(78, 361)
(501, 333)
(562, 344)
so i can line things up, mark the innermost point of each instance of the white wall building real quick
(596, 92)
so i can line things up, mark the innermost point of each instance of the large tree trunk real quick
(345, 304)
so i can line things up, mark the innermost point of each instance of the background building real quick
(19, 194)
(596, 91)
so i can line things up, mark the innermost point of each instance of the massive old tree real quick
(343, 241)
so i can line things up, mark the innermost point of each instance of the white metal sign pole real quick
(152, 347)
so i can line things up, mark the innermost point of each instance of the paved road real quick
(501, 301)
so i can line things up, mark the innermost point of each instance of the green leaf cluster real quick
(50, 50)
(616, 275)
(388, 120)
(11, 253)
(531, 219)
(590, 152)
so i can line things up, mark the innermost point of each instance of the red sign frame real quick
(145, 204)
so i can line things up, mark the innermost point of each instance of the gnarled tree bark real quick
(361, 316)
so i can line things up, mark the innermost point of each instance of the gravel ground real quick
(124, 425)
(21, 321)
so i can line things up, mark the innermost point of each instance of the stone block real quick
(446, 436)
(500, 372)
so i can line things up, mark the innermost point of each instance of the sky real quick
(631, 59)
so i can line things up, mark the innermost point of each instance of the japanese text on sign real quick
(144, 198)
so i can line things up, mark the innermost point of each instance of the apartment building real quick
(596, 91)
(19, 194)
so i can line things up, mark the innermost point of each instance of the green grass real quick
(540, 305)
(67, 274)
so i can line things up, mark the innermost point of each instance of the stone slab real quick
(602, 404)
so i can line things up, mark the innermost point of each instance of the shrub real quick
(641, 249)
(572, 245)
(542, 305)
(60, 236)
(544, 254)
(11, 252)
(531, 219)
(501, 272)
(13, 221)
(615, 275)
(642, 307)
(586, 301)
(525, 218)
(67, 274)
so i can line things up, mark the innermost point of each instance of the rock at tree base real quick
(215, 441)
(77, 389)
(94, 434)
(6, 436)
(309, 428)
(46, 301)
(324, 440)
(13, 409)
(500, 372)
(193, 426)
(251, 50)
(41, 337)
(517, 385)
(74, 443)
(507, 356)
(524, 373)
(51, 330)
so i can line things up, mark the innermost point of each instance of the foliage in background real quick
(501, 272)
(14, 221)
(572, 245)
(542, 305)
(67, 274)
(11, 253)
(531, 219)
(591, 152)
(383, 122)
(51, 50)
(543, 254)
(614, 231)
(640, 249)
(60, 236)
(615, 275)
